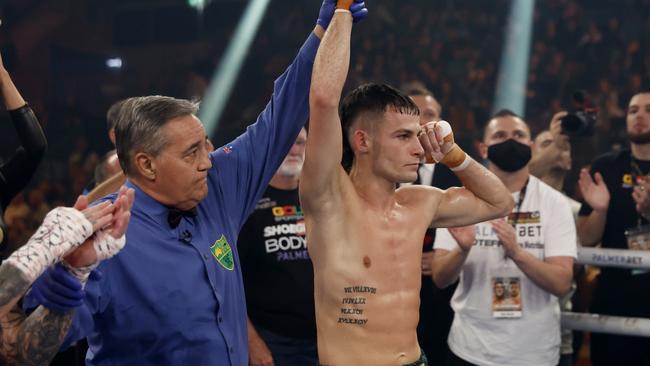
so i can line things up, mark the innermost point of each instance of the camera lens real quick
(572, 124)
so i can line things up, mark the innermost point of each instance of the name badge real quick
(638, 238)
(506, 297)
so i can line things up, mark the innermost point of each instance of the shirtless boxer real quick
(365, 237)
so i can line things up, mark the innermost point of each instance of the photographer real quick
(551, 162)
(552, 154)
(615, 213)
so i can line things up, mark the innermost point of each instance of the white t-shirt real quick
(545, 228)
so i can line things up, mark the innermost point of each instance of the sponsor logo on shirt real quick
(528, 230)
(222, 251)
(283, 229)
(630, 180)
(287, 213)
(524, 217)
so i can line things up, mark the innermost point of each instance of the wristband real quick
(344, 4)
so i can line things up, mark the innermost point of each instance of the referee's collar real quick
(146, 203)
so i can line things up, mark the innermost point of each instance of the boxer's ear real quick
(361, 141)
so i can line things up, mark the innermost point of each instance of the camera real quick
(582, 120)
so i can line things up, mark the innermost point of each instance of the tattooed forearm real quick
(13, 285)
(33, 340)
(42, 335)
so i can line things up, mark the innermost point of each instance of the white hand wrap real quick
(63, 230)
(105, 246)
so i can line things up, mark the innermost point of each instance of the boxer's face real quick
(395, 149)
(181, 169)
(514, 289)
(499, 290)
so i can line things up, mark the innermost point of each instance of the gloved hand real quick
(358, 10)
(57, 290)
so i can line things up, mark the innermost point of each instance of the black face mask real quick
(509, 155)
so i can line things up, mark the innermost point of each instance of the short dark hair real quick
(113, 114)
(499, 114)
(505, 113)
(140, 125)
(370, 98)
(644, 90)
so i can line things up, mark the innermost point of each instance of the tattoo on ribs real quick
(352, 311)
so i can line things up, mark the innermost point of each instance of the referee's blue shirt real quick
(165, 302)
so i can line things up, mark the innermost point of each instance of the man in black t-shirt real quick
(617, 200)
(278, 274)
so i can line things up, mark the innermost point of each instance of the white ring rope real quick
(606, 324)
(623, 258)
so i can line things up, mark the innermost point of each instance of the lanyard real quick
(639, 175)
(517, 208)
(516, 211)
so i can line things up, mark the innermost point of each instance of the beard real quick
(641, 138)
(290, 168)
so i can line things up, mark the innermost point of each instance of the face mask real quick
(509, 155)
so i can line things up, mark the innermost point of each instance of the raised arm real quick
(18, 169)
(324, 145)
(483, 197)
(547, 156)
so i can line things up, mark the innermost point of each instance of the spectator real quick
(533, 249)
(278, 274)
(615, 213)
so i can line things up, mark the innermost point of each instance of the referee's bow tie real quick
(175, 215)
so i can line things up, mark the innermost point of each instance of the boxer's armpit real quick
(352, 311)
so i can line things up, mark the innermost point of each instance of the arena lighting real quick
(114, 63)
(198, 4)
(513, 70)
(218, 92)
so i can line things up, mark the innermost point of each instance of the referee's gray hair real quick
(140, 122)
